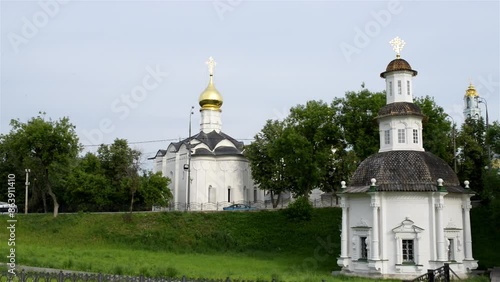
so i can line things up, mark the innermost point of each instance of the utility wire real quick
(161, 140)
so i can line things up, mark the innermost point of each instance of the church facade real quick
(208, 170)
(404, 210)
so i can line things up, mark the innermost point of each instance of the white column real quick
(467, 230)
(375, 242)
(345, 228)
(399, 251)
(440, 231)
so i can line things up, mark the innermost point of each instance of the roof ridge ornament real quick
(211, 65)
(397, 45)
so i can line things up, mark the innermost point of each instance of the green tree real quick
(309, 140)
(121, 165)
(493, 137)
(291, 155)
(319, 145)
(472, 153)
(437, 129)
(49, 148)
(355, 114)
(88, 189)
(154, 189)
(267, 162)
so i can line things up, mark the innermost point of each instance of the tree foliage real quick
(110, 179)
(437, 129)
(49, 148)
(472, 157)
(154, 189)
(493, 137)
(88, 187)
(310, 137)
(60, 179)
(267, 161)
(355, 114)
(319, 145)
(290, 155)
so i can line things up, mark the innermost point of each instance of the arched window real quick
(211, 194)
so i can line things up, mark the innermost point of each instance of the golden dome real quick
(471, 91)
(210, 98)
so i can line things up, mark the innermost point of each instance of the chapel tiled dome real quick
(410, 171)
(399, 109)
(398, 64)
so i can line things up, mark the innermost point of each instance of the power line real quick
(158, 141)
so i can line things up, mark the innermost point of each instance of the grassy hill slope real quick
(265, 231)
(250, 245)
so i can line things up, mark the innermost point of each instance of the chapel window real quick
(407, 251)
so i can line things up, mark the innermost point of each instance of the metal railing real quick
(23, 276)
(260, 205)
(439, 274)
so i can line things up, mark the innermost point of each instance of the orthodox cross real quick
(211, 65)
(397, 45)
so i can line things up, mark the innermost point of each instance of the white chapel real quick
(404, 210)
(212, 161)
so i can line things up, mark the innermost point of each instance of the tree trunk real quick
(52, 195)
(132, 202)
(275, 202)
(54, 199)
(44, 201)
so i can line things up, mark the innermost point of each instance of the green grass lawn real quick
(242, 245)
(246, 245)
(150, 263)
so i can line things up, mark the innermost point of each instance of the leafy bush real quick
(300, 210)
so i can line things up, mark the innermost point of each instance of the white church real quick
(404, 210)
(208, 170)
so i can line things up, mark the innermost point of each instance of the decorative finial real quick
(440, 182)
(466, 183)
(211, 65)
(343, 184)
(373, 187)
(397, 45)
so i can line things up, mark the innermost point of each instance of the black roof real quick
(411, 171)
(399, 109)
(210, 139)
(160, 153)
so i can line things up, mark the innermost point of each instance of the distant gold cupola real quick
(210, 98)
(471, 91)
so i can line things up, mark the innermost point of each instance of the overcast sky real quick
(133, 69)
